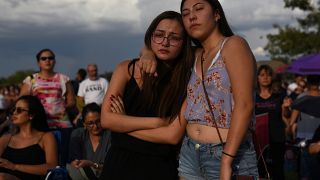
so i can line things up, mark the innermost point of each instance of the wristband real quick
(228, 154)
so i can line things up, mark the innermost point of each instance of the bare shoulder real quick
(123, 69)
(123, 64)
(235, 42)
(236, 48)
(4, 139)
(47, 136)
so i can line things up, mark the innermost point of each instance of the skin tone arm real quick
(285, 113)
(292, 121)
(48, 143)
(70, 97)
(240, 64)
(147, 62)
(4, 140)
(25, 89)
(314, 148)
(85, 163)
(170, 134)
(119, 122)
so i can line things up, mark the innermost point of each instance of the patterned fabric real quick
(51, 93)
(219, 90)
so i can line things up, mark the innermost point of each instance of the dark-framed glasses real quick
(173, 39)
(91, 123)
(47, 58)
(18, 110)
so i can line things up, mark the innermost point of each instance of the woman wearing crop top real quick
(141, 146)
(30, 150)
(229, 76)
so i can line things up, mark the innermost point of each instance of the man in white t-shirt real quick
(93, 88)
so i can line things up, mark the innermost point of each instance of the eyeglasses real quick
(159, 36)
(19, 110)
(45, 58)
(91, 123)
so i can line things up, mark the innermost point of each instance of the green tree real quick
(16, 78)
(291, 42)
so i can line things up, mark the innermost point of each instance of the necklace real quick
(212, 50)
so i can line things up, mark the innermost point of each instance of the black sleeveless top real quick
(131, 94)
(31, 155)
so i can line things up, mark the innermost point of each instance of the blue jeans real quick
(202, 161)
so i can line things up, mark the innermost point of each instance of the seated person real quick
(314, 147)
(314, 150)
(30, 150)
(88, 145)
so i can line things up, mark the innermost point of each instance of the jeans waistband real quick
(198, 145)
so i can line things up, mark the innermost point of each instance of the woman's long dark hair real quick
(171, 84)
(223, 24)
(36, 110)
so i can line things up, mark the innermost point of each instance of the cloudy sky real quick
(108, 31)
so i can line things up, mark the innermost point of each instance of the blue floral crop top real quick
(219, 90)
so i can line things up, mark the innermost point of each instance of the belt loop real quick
(187, 139)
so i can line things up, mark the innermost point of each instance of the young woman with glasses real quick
(229, 77)
(30, 151)
(55, 93)
(147, 124)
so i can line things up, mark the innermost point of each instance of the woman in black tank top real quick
(24, 155)
(147, 125)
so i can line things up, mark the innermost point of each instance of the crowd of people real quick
(185, 109)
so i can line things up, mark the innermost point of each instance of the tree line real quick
(291, 42)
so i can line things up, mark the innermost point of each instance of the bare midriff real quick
(206, 134)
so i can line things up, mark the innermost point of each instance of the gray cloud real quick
(105, 32)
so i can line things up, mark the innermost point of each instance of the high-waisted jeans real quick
(202, 161)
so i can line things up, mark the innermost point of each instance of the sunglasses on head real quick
(19, 110)
(45, 58)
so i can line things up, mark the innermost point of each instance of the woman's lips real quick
(164, 51)
(194, 26)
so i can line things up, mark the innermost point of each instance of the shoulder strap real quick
(219, 52)
(9, 140)
(133, 67)
(32, 81)
(208, 101)
(40, 138)
(195, 62)
(223, 42)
